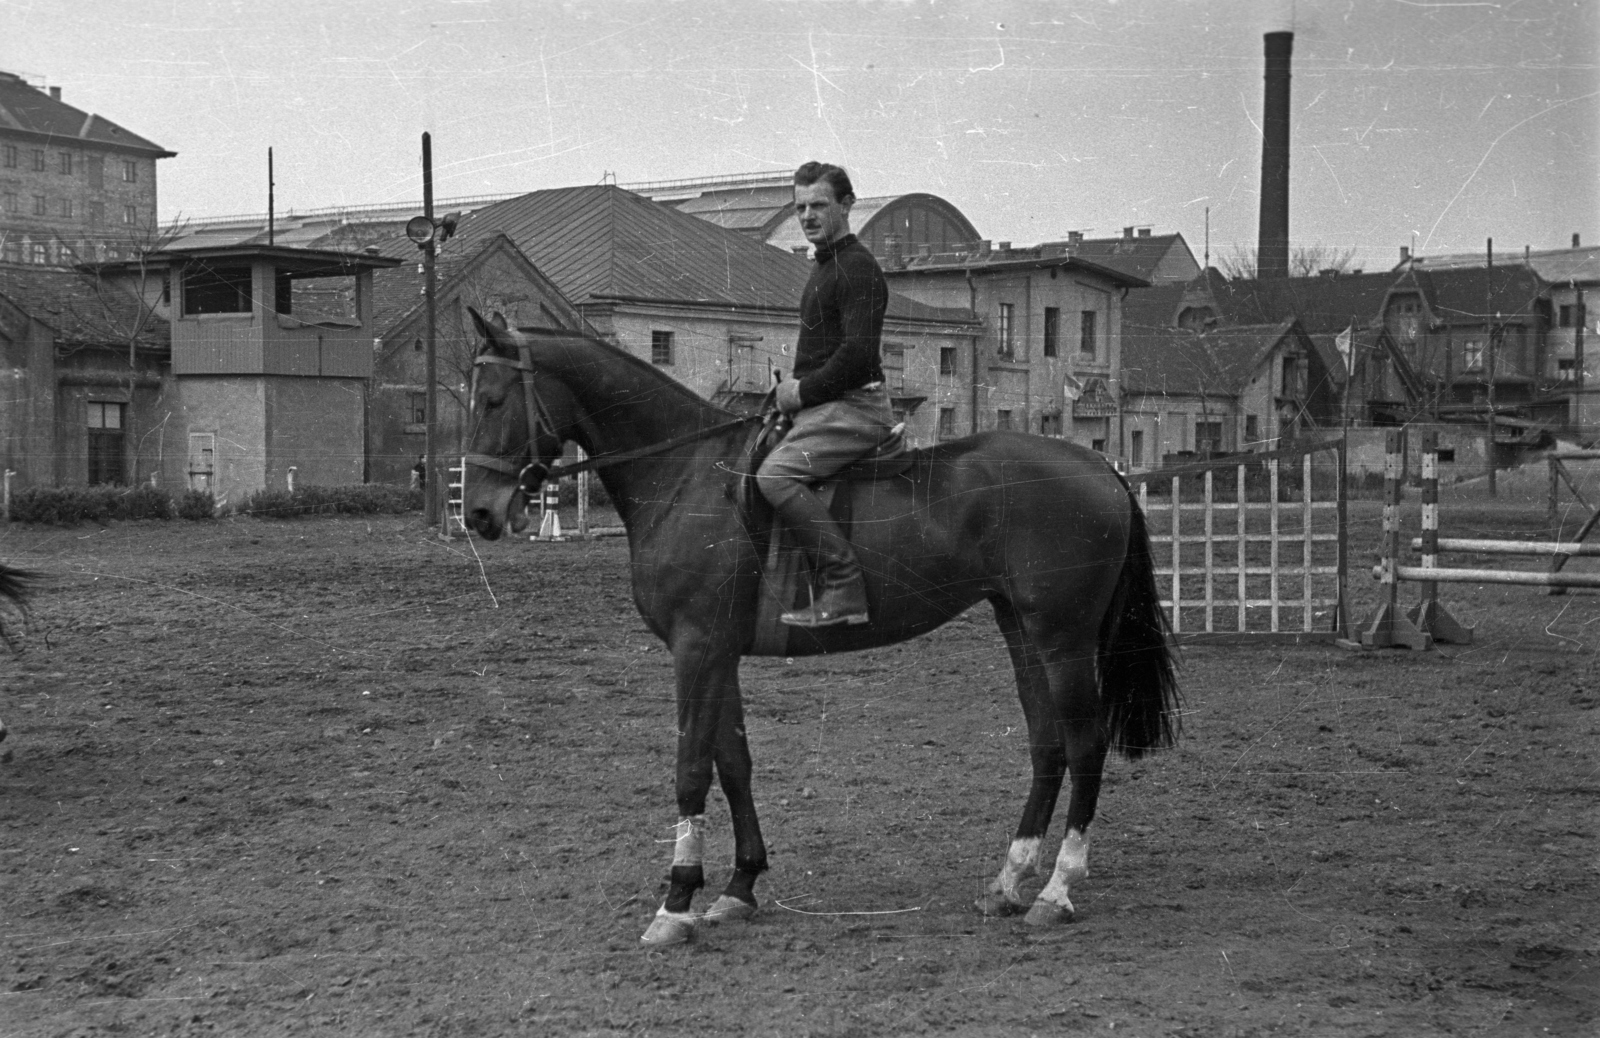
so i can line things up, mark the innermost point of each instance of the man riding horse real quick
(840, 410)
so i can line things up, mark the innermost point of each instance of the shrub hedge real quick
(69, 506)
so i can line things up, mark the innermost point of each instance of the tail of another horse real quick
(1138, 679)
(14, 587)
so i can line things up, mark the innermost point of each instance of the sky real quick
(1429, 125)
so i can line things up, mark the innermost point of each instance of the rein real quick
(539, 421)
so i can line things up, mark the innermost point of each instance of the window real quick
(64, 207)
(661, 348)
(1569, 315)
(1086, 334)
(1098, 445)
(10, 154)
(130, 172)
(1007, 330)
(39, 208)
(216, 290)
(1208, 437)
(1252, 428)
(1472, 357)
(1002, 419)
(10, 202)
(1564, 369)
(130, 215)
(947, 422)
(39, 253)
(97, 214)
(1136, 448)
(105, 443)
(894, 370)
(947, 360)
(38, 160)
(11, 251)
(1052, 330)
(419, 408)
(1049, 425)
(66, 163)
(97, 171)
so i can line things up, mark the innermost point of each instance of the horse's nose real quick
(482, 521)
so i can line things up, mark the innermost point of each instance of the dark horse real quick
(14, 587)
(1043, 530)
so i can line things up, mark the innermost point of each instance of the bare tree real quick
(1239, 263)
(126, 309)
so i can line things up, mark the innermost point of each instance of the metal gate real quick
(1252, 548)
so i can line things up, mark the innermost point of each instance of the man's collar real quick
(825, 252)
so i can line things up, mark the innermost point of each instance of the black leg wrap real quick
(686, 879)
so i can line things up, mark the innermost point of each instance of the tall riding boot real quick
(843, 595)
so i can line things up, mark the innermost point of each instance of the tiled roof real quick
(81, 309)
(26, 110)
(1164, 360)
(1139, 255)
(1466, 291)
(601, 243)
(1323, 304)
(1561, 266)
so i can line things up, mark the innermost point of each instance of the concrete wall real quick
(1463, 452)
(233, 408)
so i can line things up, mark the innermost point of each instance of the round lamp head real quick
(419, 229)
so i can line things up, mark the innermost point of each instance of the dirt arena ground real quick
(336, 776)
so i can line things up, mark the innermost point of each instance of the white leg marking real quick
(1072, 865)
(690, 847)
(1022, 861)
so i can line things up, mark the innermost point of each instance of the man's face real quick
(822, 217)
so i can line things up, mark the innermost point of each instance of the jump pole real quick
(1428, 615)
(1389, 628)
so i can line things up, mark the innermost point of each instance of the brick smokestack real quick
(1272, 246)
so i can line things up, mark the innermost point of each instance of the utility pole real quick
(1580, 318)
(435, 480)
(1488, 349)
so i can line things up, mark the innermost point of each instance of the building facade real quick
(74, 187)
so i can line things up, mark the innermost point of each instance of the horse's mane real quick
(639, 367)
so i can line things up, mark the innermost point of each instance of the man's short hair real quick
(834, 176)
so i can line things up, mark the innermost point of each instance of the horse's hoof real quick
(729, 909)
(992, 904)
(1047, 913)
(668, 928)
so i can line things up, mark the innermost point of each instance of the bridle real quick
(541, 424)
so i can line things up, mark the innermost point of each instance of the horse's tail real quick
(1138, 678)
(15, 585)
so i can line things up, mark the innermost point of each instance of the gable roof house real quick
(1188, 394)
(88, 374)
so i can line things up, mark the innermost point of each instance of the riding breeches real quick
(824, 440)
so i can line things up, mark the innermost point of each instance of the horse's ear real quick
(486, 328)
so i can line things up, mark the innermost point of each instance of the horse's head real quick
(513, 434)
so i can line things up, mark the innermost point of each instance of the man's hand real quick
(789, 396)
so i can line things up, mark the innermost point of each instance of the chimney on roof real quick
(984, 247)
(1575, 244)
(1002, 246)
(1127, 232)
(1405, 254)
(55, 93)
(1272, 245)
(1144, 232)
(800, 250)
(1074, 240)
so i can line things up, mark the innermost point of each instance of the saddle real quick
(785, 581)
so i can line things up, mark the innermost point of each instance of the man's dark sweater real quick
(841, 322)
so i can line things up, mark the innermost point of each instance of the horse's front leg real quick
(710, 734)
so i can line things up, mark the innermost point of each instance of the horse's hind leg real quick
(1060, 700)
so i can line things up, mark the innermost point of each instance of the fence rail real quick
(1266, 562)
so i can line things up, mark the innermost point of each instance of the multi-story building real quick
(74, 187)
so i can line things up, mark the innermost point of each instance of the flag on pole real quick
(1071, 388)
(1343, 342)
